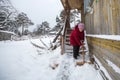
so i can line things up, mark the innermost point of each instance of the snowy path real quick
(64, 70)
(69, 71)
(20, 60)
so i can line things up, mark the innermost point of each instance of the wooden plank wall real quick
(105, 50)
(105, 19)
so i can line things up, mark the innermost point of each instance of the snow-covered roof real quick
(7, 32)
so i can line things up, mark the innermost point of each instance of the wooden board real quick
(74, 4)
(105, 18)
(104, 50)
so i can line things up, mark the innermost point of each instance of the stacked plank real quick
(104, 50)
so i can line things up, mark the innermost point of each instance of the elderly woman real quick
(77, 39)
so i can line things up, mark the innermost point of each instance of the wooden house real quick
(101, 17)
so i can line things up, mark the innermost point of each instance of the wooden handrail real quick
(64, 26)
(58, 34)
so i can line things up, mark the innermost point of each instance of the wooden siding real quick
(104, 50)
(5, 36)
(105, 18)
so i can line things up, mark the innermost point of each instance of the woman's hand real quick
(83, 47)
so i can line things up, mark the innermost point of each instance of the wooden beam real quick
(82, 13)
(72, 4)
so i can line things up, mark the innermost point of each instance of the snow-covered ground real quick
(20, 60)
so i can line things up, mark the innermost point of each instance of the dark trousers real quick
(76, 51)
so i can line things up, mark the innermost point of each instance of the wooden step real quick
(68, 29)
(69, 32)
(71, 48)
(69, 51)
(67, 35)
(68, 46)
(67, 40)
(67, 43)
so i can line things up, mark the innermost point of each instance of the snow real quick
(53, 32)
(117, 69)
(85, 70)
(7, 32)
(70, 71)
(32, 28)
(103, 69)
(111, 37)
(20, 60)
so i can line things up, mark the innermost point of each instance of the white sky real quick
(39, 10)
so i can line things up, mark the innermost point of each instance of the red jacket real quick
(76, 37)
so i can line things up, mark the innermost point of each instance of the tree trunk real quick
(23, 30)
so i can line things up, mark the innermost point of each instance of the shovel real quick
(83, 57)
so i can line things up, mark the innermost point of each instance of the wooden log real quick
(37, 46)
(54, 66)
